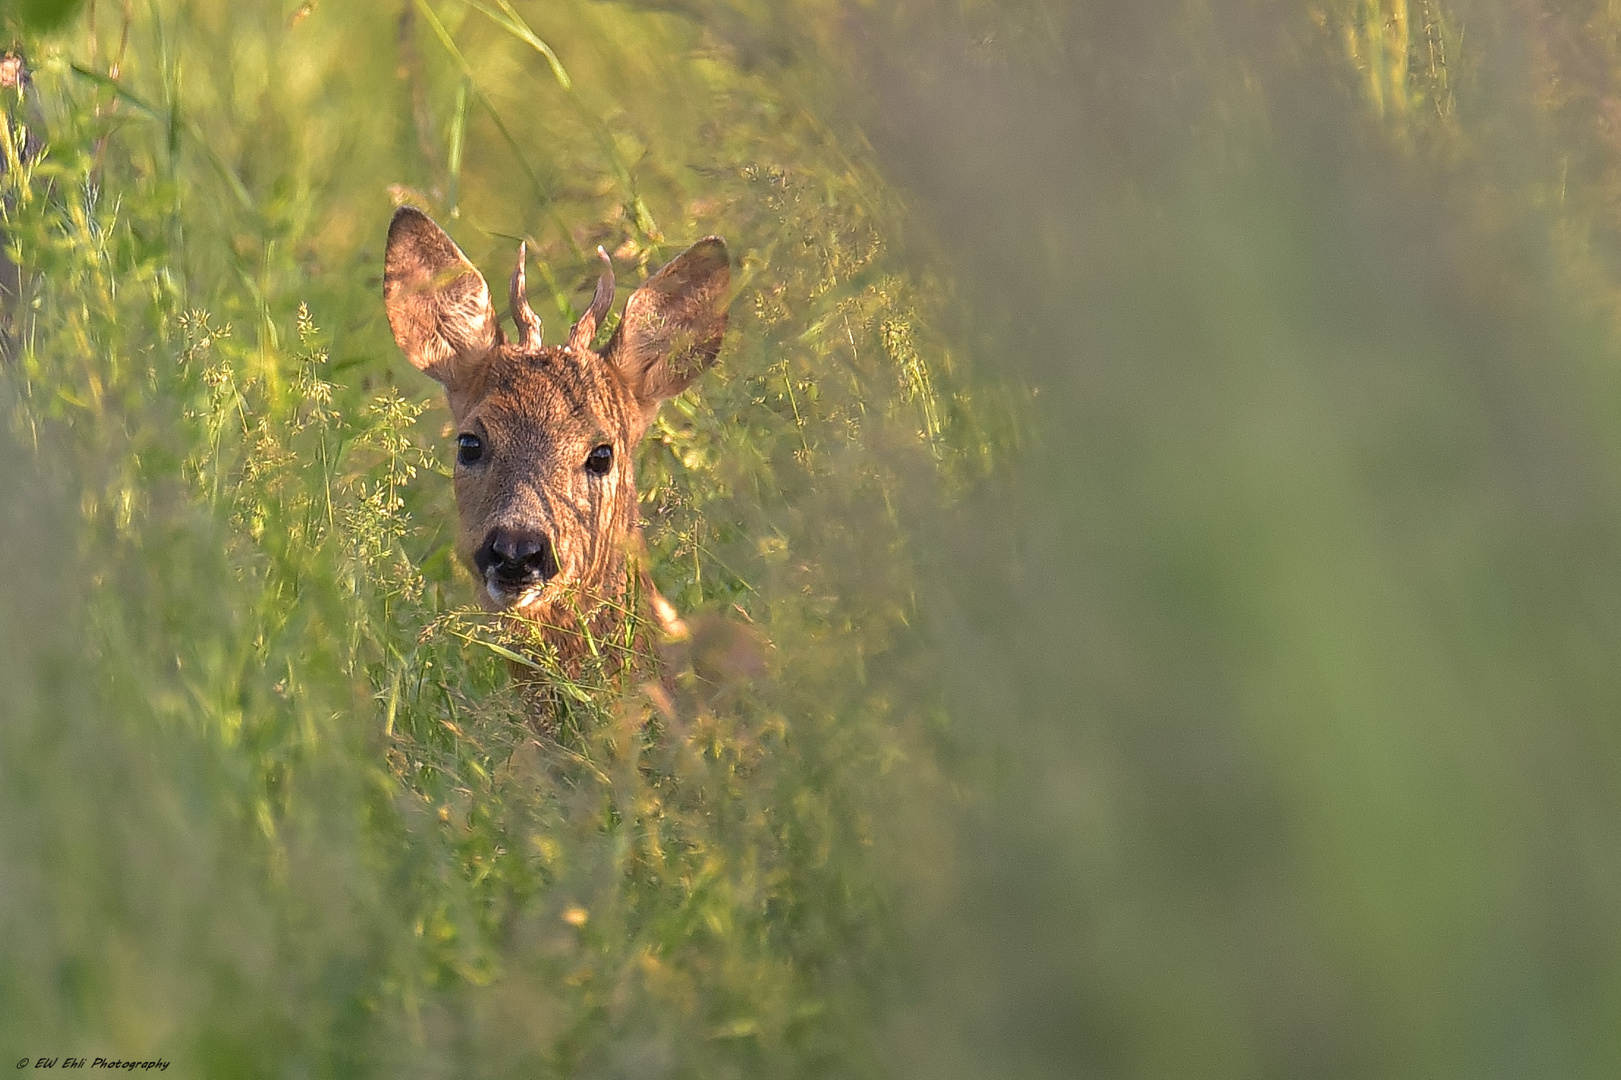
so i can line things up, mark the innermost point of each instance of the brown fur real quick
(540, 410)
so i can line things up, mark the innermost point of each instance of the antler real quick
(522, 314)
(580, 337)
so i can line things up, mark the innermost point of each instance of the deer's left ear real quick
(673, 326)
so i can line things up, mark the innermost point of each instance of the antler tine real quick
(586, 329)
(522, 314)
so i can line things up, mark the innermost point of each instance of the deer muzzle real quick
(516, 564)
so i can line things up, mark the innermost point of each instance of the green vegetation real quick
(1149, 540)
(280, 808)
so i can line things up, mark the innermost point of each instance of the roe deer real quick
(545, 490)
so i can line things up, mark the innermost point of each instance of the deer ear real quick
(438, 304)
(673, 325)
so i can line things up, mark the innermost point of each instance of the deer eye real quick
(469, 449)
(598, 461)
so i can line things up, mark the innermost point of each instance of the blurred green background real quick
(1154, 534)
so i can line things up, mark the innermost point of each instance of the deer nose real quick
(517, 555)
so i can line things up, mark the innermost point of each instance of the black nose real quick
(516, 555)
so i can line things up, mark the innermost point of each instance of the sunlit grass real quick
(1112, 722)
(395, 851)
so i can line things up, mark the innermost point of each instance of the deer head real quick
(545, 489)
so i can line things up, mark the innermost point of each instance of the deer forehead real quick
(549, 397)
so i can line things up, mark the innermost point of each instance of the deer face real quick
(545, 491)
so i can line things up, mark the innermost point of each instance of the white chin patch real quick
(513, 598)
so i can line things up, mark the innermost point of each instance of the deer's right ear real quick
(438, 304)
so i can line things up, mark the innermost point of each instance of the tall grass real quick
(289, 813)
(1149, 543)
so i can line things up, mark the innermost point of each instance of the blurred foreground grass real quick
(1234, 698)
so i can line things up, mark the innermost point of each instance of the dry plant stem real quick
(113, 72)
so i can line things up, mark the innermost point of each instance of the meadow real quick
(1151, 541)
